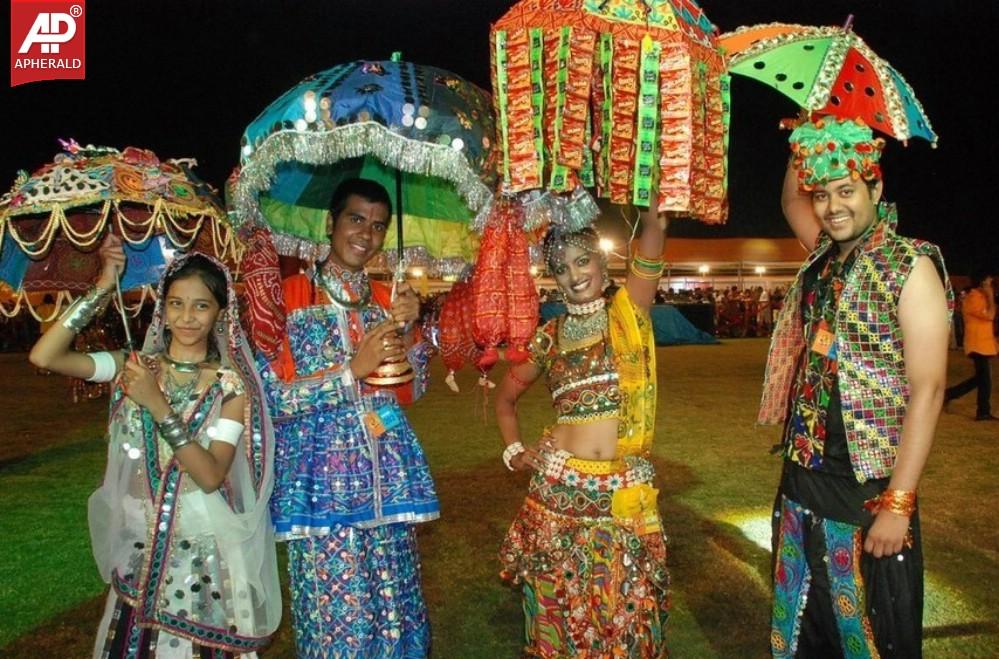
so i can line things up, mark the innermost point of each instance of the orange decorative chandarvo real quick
(628, 96)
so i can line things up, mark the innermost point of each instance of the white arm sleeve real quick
(226, 430)
(104, 367)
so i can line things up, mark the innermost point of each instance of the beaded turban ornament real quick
(828, 149)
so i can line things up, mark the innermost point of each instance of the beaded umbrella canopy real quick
(52, 221)
(424, 133)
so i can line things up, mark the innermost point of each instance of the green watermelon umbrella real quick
(829, 71)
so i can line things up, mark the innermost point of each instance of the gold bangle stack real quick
(645, 268)
(900, 502)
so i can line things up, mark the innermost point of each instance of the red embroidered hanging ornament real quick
(522, 313)
(504, 297)
(471, 351)
(262, 291)
(489, 284)
(456, 343)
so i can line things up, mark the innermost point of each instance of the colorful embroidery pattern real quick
(329, 469)
(792, 578)
(791, 581)
(844, 546)
(356, 593)
(593, 587)
(871, 370)
(805, 440)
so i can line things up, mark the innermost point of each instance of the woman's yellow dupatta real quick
(634, 352)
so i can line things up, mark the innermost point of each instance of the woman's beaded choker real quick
(586, 308)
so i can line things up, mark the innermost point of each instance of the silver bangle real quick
(85, 308)
(510, 452)
(174, 431)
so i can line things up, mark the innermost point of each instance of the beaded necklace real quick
(575, 328)
(341, 285)
(583, 321)
(178, 393)
(586, 308)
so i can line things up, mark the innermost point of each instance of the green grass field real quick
(715, 473)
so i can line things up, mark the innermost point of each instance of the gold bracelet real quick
(645, 275)
(900, 502)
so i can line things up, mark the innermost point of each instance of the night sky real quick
(185, 78)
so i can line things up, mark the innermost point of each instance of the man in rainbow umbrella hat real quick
(856, 374)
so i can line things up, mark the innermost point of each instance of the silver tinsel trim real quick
(418, 257)
(573, 212)
(478, 224)
(537, 256)
(350, 141)
(288, 245)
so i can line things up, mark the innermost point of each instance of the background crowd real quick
(743, 312)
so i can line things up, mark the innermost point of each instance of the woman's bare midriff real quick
(596, 440)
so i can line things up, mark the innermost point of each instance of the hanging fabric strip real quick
(549, 70)
(606, 118)
(537, 37)
(726, 94)
(625, 83)
(714, 149)
(647, 123)
(675, 143)
(722, 83)
(698, 164)
(521, 292)
(525, 170)
(586, 172)
(578, 75)
(499, 89)
(560, 173)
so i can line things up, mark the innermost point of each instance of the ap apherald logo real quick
(47, 40)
